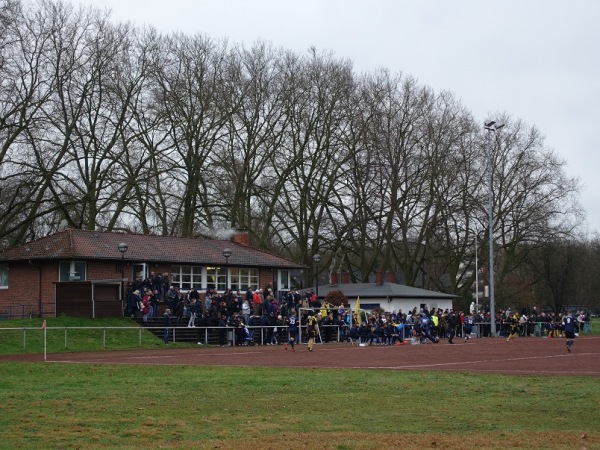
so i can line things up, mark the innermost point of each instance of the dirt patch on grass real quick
(496, 440)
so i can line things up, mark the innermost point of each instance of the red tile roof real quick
(97, 245)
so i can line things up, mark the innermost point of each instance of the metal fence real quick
(267, 335)
(230, 336)
(25, 311)
(535, 328)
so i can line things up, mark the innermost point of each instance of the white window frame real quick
(72, 272)
(185, 277)
(244, 277)
(4, 276)
(216, 277)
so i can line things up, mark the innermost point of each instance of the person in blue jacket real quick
(569, 324)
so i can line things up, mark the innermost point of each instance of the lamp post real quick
(226, 254)
(476, 278)
(123, 247)
(491, 126)
(317, 260)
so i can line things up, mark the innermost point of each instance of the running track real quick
(522, 356)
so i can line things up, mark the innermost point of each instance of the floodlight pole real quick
(491, 126)
(476, 278)
(317, 260)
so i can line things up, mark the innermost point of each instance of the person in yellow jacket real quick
(435, 324)
(325, 310)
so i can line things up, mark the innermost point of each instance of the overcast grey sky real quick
(537, 60)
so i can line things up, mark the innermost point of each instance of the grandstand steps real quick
(182, 334)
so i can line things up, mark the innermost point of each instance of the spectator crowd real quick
(258, 317)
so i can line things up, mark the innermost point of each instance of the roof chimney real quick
(378, 278)
(345, 278)
(391, 277)
(333, 278)
(241, 237)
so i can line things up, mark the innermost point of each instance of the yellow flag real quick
(358, 318)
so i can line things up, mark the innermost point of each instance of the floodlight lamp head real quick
(492, 125)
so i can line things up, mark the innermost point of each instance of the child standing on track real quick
(569, 324)
(468, 327)
(292, 323)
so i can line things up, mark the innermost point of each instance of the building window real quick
(186, 277)
(215, 278)
(72, 271)
(4, 276)
(242, 279)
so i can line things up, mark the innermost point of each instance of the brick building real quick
(85, 273)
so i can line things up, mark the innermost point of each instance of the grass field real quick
(56, 405)
(81, 335)
(88, 406)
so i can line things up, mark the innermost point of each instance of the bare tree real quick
(189, 79)
(138, 174)
(255, 129)
(534, 200)
(313, 156)
(108, 126)
(25, 93)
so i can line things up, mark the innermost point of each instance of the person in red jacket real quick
(145, 307)
(257, 301)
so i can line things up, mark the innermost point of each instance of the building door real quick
(140, 270)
